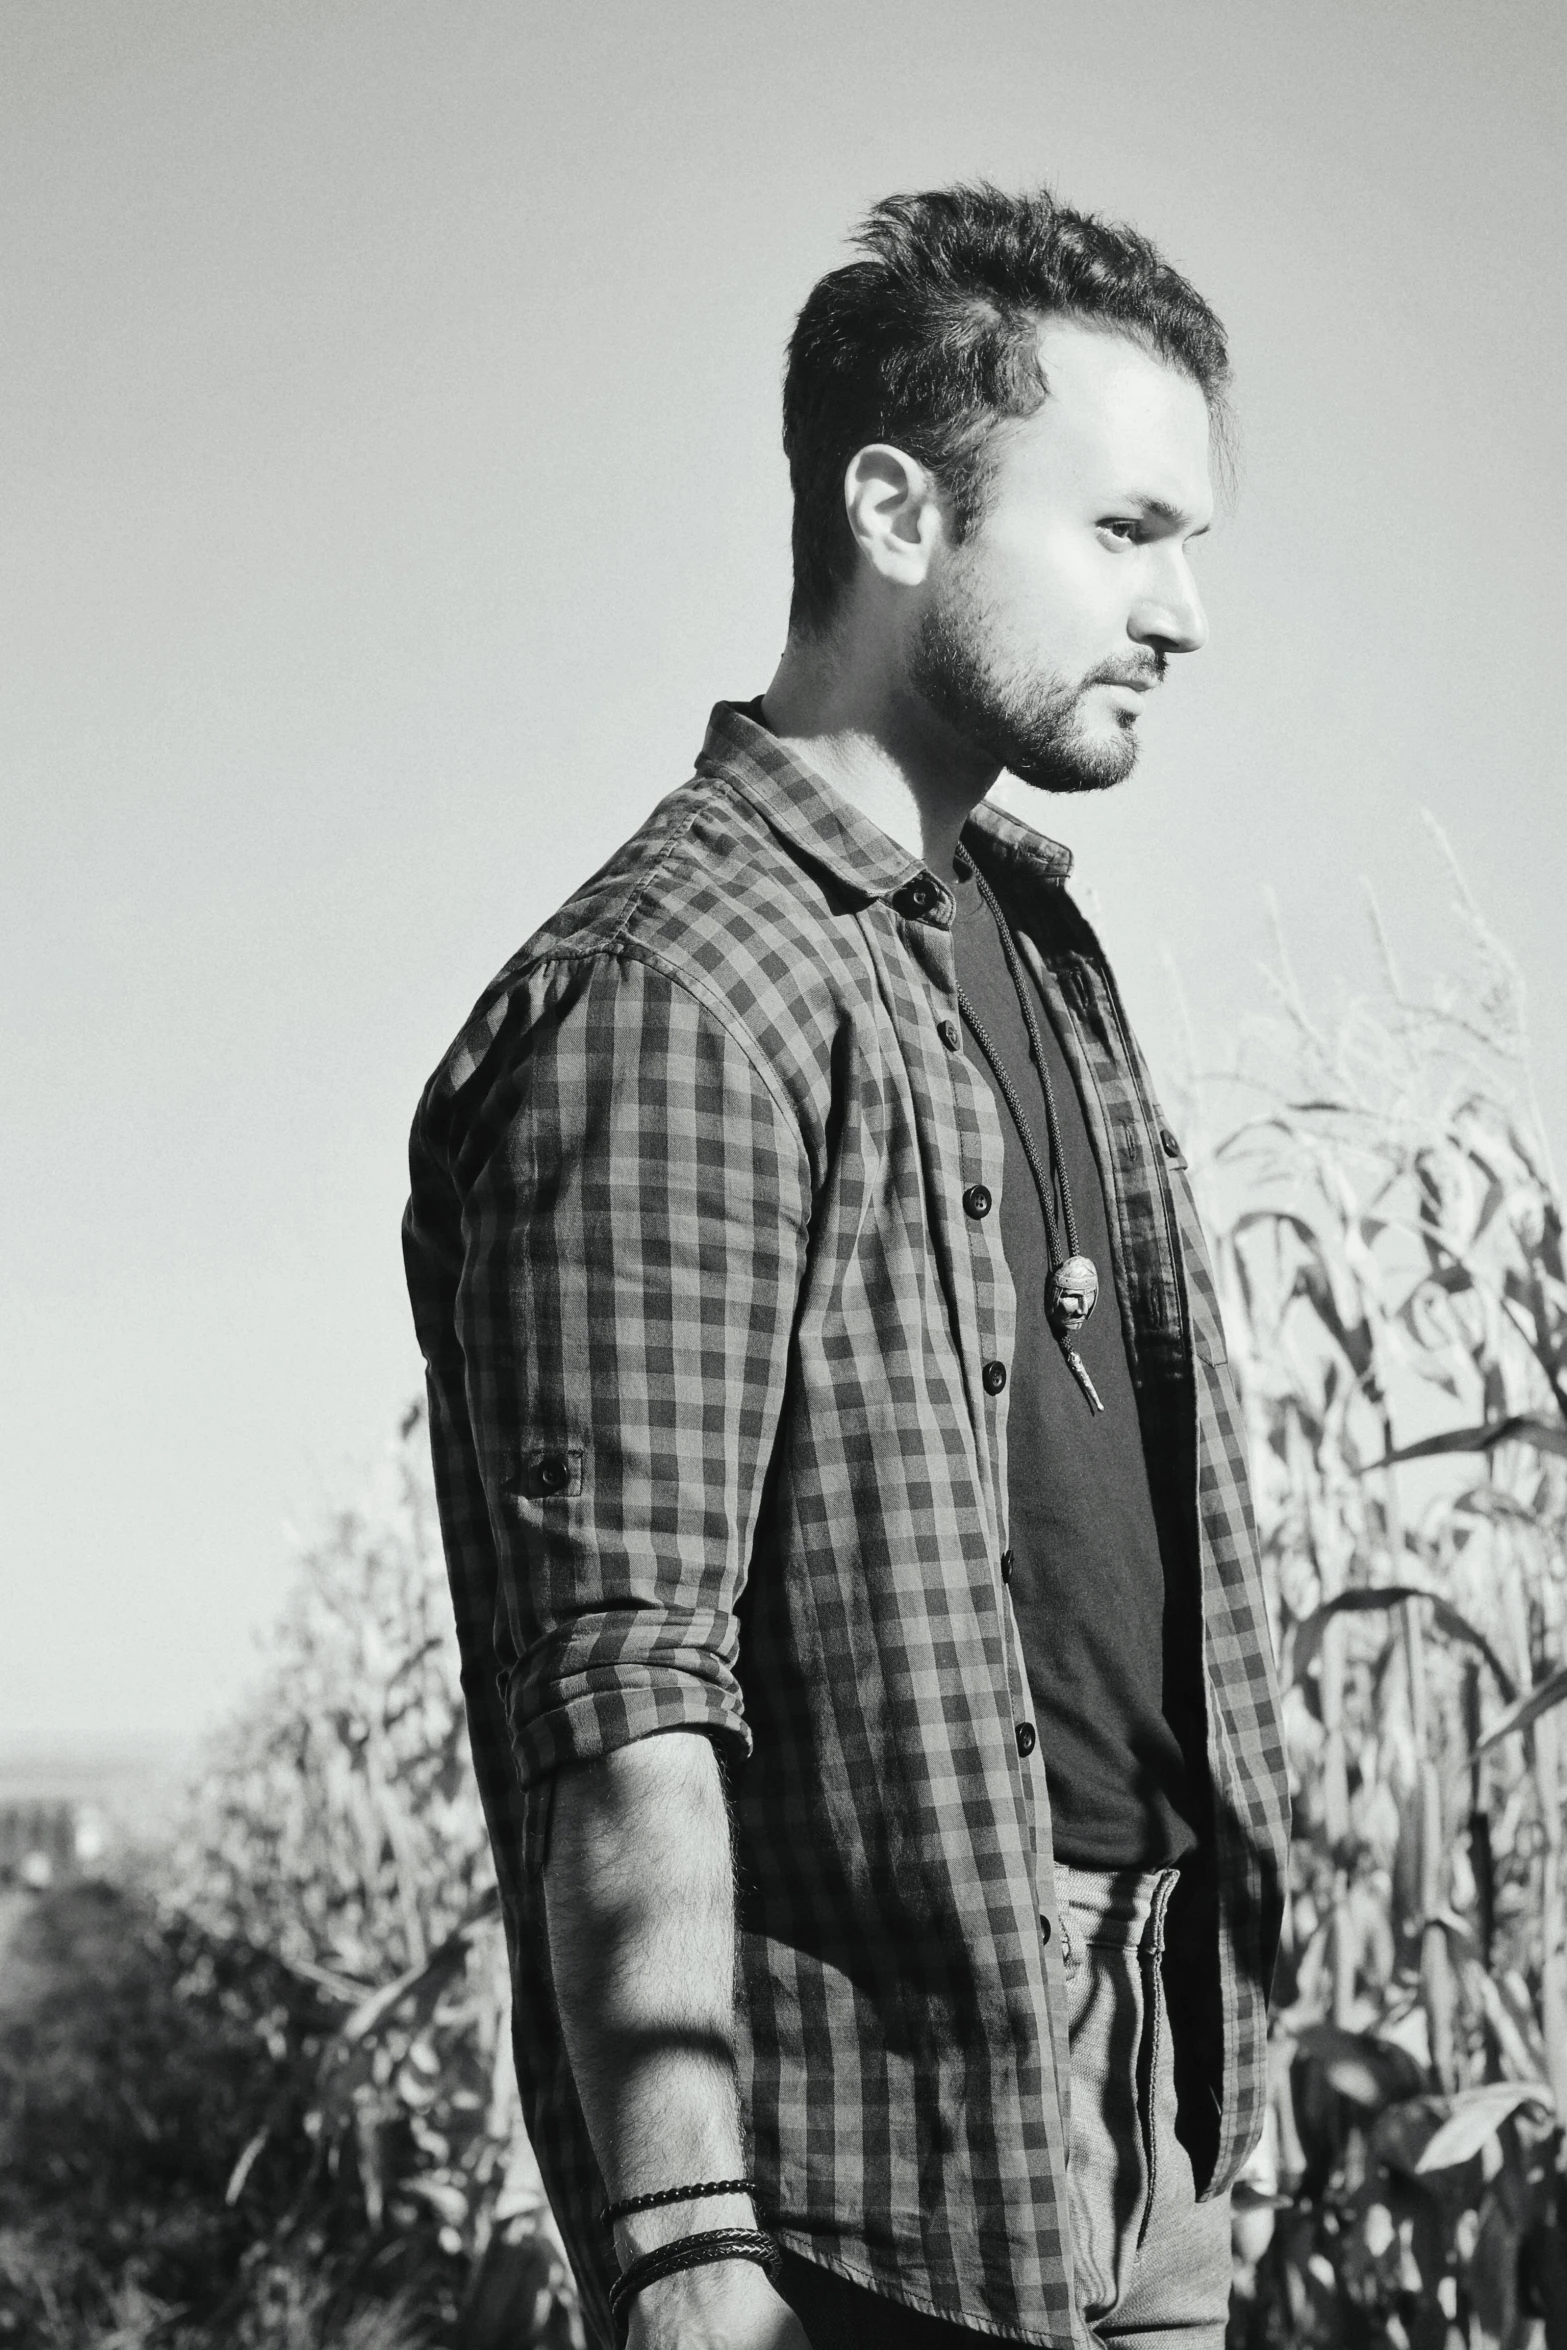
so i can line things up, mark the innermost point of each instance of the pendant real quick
(1071, 1294)
(1080, 1372)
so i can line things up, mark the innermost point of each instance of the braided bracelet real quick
(693, 2252)
(633, 2203)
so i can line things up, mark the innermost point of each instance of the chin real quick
(1079, 766)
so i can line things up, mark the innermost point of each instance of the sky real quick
(390, 483)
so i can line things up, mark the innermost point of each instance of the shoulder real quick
(705, 900)
(703, 885)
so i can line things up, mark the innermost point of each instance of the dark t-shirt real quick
(1104, 1601)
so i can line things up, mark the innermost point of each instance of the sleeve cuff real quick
(596, 1712)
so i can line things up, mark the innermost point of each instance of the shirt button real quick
(1027, 1739)
(1044, 1929)
(1006, 1566)
(925, 897)
(949, 1034)
(994, 1377)
(553, 1473)
(1172, 1149)
(976, 1201)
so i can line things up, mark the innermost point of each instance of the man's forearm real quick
(639, 1892)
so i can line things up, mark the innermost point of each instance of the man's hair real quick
(931, 339)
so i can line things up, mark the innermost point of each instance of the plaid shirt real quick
(712, 1351)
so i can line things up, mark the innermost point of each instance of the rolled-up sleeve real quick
(634, 1207)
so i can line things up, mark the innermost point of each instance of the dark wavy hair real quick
(932, 338)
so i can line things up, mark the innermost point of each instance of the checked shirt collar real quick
(823, 829)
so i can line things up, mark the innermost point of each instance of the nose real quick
(1169, 616)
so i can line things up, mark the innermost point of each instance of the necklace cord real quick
(1036, 1047)
(1020, 1120)
(1042, 1184)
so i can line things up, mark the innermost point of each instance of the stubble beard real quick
(1031, 724)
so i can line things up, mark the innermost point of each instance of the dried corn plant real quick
(336, 1826)
(336, 1821)
(1390, 1248)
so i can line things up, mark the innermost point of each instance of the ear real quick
(894, 512)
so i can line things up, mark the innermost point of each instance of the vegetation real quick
(267, 2101)
(1391, 1253)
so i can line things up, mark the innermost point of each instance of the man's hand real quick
(729, 2306)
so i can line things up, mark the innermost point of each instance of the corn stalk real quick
(1390, 1238)
(337, 1826)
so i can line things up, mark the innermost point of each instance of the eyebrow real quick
(1161, 510)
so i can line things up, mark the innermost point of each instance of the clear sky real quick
(390, 480)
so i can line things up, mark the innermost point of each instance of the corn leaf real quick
(1367, 1601)
(1524, 1427)
(422, 1980)
(1477, 2114)
(1368, 2071)
(1525, 1710)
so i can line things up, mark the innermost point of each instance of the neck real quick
(863, 731)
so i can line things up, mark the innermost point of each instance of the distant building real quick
(62, 1813)
(47, 1843)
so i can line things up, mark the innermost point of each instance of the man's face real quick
(1043, 630)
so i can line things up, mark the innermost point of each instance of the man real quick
(864, 1650)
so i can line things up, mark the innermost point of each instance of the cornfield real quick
(323, 1930)
(267, 2101)
(340, 1830)
(1390, 1250)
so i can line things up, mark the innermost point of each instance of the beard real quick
(1028, 721)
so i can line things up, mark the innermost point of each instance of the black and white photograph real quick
(784, 1501)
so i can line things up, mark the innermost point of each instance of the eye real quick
(1125, 529)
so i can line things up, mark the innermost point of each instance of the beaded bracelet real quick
(633, 2203)
(685, 2252)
